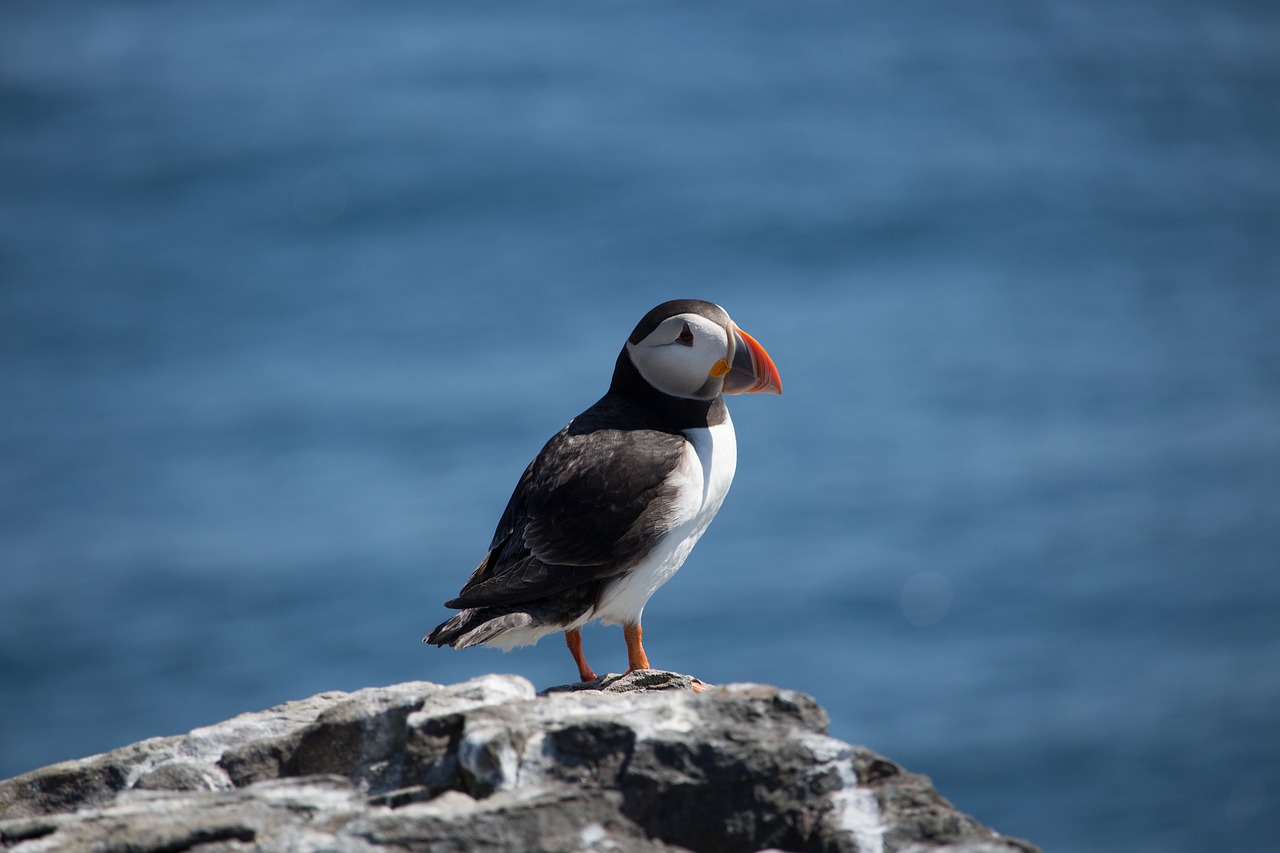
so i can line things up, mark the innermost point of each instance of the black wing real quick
(591, 505)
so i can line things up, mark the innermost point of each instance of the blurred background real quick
(290, 294)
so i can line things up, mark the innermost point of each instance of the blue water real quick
(290, 294)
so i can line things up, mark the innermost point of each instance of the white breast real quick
(704, 476)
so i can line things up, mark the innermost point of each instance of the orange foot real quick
(635, 649)
(573, 639)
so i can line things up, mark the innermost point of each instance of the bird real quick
(609, 509)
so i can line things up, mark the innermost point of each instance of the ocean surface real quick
(291, 293)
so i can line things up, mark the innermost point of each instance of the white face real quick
(681, 356)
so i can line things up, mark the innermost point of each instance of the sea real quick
(291, 293)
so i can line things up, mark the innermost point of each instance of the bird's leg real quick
(635, 650)
(573, 639)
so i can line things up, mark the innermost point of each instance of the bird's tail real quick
(477, 625)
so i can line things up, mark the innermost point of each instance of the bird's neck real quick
(676, 413)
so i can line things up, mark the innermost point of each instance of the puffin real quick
(610, 508)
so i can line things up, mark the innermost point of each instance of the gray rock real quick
(538, 817)
(643, 680)
(629, 763)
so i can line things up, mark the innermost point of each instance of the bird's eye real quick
(686, 336)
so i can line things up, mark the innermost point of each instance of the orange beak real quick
(752, 371)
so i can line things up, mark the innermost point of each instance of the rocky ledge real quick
(634, 763)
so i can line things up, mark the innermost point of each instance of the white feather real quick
(527, 635)
(706, 472)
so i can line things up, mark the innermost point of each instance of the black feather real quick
(591, 505)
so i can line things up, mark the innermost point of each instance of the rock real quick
(629, 763)
(633, 682)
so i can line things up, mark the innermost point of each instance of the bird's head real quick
(691, 349)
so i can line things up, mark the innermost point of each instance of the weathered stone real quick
(271, 815)
(65, 786)
(633, 763)
(640, 681)
(178, 776)
(535, 818)
(916, 813)
(358, 735)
